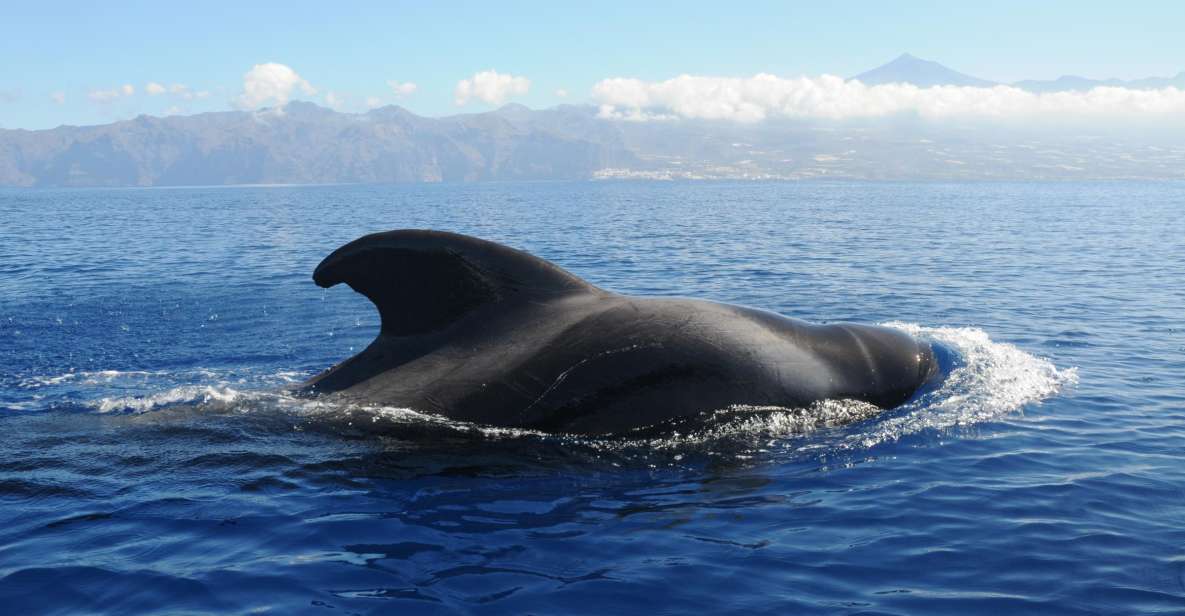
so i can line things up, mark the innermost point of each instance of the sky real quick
(92, 63)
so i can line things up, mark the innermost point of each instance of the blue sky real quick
(69, 63)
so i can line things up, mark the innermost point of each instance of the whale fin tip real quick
(421, 281)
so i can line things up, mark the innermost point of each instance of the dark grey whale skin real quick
(480, 332)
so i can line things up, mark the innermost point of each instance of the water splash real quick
(984, 380)
(987, 381)
(187, 394)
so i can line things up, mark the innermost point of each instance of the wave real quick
(115, 377)
(188, 394)
(983, 381)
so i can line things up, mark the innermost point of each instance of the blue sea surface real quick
(152, 459)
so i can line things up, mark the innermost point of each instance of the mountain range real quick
(910, 69)
(302, 142)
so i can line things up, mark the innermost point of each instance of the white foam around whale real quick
(186, 394)
(989, 380)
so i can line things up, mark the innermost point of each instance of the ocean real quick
(154, 460)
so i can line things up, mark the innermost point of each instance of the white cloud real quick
(334, 100)
(751, 99)
(183, 91)
(271, 83)
(562, 93)
(491, 87)
(373, 101)
(405, 88)
(152, 88)
(58, 97)
(104, 96)
(176, 90)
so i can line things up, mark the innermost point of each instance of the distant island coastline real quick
(303, 143)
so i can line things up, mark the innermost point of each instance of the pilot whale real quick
(480, 332)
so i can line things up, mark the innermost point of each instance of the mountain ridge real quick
(913, 70)
(304, 142)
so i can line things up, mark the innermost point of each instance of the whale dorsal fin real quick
(422, 281)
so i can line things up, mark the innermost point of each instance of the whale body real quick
(480, 332)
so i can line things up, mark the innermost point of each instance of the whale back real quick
(480, 332)
(423, 281)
